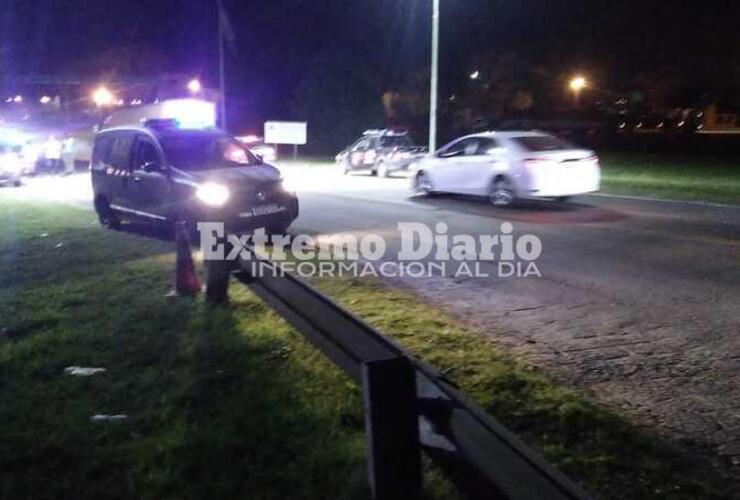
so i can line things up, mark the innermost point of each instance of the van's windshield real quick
(206, 152)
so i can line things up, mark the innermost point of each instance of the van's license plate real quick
(261, 210)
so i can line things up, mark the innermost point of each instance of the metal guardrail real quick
(410, 406)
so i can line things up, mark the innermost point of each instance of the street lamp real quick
(102, 97)
(577, 85)
(194, 86)
(434, 77)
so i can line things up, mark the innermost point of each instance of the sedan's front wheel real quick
(502, 193)
(423, 184)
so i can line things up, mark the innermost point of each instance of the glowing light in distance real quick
(194, 86)
(578, 83)
(103, 97)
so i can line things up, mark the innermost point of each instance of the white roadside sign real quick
(285, 133)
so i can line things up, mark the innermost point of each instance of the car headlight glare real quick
(289, 186)
(213, 194)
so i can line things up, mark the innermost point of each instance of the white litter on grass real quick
(107, 418)
(43, 235)
(59, 245)
(81, 371)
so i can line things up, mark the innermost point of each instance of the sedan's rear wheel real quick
(502, 193)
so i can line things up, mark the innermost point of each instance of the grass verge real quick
(672, 176)
(231, 402)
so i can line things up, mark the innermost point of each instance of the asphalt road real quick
(638, 303)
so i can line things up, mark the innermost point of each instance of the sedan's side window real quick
(471, 147)
(487, 146)
(453, 149)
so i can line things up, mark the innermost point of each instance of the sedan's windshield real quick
(193, 152)
(537, 143)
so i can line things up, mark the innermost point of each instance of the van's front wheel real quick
(106, 215)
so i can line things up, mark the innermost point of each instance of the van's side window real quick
(101, 150)
(145, 153)
(120, 152)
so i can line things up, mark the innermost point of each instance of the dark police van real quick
(163, 174)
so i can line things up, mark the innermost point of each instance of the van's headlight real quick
(213, 194)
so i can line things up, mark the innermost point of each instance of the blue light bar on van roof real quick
(161, 123)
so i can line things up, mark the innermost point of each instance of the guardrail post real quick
(392, 429)
(217, 281)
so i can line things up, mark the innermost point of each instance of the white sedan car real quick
(505, 166)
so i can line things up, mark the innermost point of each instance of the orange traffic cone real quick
(186, 279)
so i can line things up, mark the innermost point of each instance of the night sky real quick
(280, 43)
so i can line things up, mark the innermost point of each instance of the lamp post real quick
(103, 98)
(577, 85)
(434, 78)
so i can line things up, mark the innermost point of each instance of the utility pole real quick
(434, 78)
(221, 65)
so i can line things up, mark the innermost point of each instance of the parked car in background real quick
(10, 166)
(507, 166)
(382, 152)
(257, 146)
